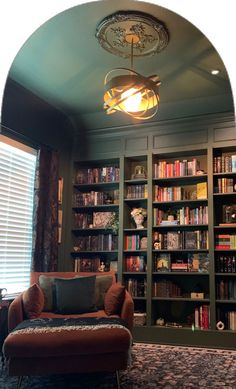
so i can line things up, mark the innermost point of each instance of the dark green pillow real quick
(76, 295)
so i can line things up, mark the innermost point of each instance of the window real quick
(17, 173)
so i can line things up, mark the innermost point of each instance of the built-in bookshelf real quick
(134, 255)
(224, 179)
(180, 258)
(95, 215)
(179, 262)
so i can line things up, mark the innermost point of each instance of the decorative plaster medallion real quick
(116, 32)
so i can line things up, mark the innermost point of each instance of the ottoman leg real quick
(118, 379)
(20, 378)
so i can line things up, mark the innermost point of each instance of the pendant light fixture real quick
(131, 34)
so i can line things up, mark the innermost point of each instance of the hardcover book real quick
(173, 241)
(135, 263)
(190, 240)
(162, 262)
(201, 190)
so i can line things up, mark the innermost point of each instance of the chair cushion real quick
(76, 295)
(114, 299)
(33, 301)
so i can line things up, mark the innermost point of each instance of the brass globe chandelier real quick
(130, 34)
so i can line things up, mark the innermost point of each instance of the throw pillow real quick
(114, 299)
(76, 295)
(46, 283)
(33, 301)
(102, 285)
(46, 286)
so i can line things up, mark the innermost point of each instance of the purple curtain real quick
(45, 217)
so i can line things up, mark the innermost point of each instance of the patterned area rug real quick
(153, 366)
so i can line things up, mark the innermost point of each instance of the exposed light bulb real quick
(132, 100)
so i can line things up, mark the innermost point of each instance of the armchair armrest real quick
(127, 310)
(15, 313)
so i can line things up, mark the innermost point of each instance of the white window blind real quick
(17, 172)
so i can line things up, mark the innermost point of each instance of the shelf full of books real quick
(95, 215)
(224, 186)
(135, 243)
(180, 241)
(176, 252)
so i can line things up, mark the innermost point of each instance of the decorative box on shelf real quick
(139, 318)
(197, 295)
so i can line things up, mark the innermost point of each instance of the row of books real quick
(192, 262)
(192, 240)
(100, 242)
(202, 317)
(226, 264)
(177, 193)
(137, 288)
(93, 219)
(177, 168)
(224, 185)
(224, 164)
(225, 241)
(226, 289)
(87, 264)
(93, 198)
(174, 193)
(135, 242)
(97, 175)
(228, 318)
(166, 288)
(183, 215)
(137, 191)
(94, 264)
(135, 263)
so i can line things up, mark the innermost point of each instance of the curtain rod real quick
(18, 136)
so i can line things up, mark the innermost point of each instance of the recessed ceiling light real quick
(214, 72)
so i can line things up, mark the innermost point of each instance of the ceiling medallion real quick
(147, 34)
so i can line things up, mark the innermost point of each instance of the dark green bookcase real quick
(203, 139)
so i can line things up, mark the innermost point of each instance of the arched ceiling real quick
(63, 64)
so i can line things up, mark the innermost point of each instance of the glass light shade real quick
(131, 93)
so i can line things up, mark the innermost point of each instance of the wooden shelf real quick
(179, 226)
(136, 181)
(96, 185)
(195, 201)
(102, 206)
(224, 194)
(200, 178)
(179, 273)
(180, 299)
(233, 174)
(181, 250)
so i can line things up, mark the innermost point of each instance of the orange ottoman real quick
(49, 346)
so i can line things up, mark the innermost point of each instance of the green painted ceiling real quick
(63, 63)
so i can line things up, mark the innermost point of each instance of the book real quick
(201, 190)
(173, 241)
(229, 213)
(190, 240)
(162, 262)
(135, 263)
(233, 159)
(113, 266)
